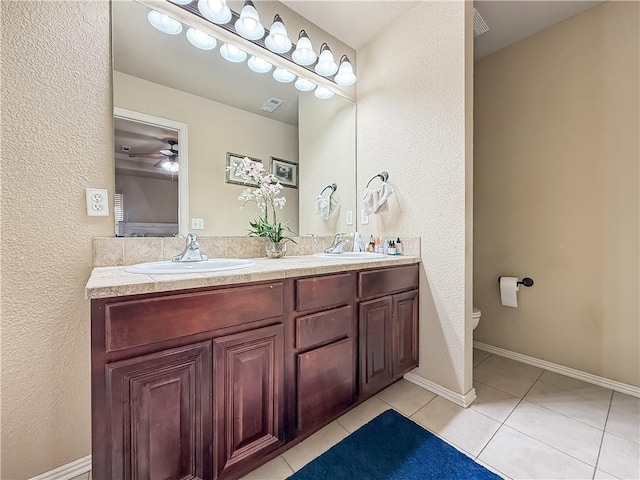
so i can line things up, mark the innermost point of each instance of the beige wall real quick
(411, 123)
(327, 133)
(56, 141)
(213, 130)
(556, 192)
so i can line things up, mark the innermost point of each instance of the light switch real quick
(97, 202)
(197, 224)
(349, 219)
(364, 220)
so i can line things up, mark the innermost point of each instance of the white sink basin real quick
(351, 255)
(211, 265)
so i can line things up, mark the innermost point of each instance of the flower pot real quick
(275, 249)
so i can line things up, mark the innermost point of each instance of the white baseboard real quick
(457, 398)
(67, 471)
(561, 369)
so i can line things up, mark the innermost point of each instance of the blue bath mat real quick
(392, 447)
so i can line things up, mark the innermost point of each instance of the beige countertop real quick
(115, 282)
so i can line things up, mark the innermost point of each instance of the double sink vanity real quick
(209, 375)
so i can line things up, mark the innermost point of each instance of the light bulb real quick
(200, 39)
(282, 75)
(277, 41)
(164, 23)
(248, 25)
(323, 93)
(232, 53)
(326, 65)
(345, 75)
(304, 54)
(181, 2)
(259, 65)
(171, 166)
(304, 85)
(215, 10)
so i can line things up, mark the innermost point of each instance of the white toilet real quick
(475, 316)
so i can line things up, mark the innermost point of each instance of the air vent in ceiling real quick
(271, 104)
(479, 25)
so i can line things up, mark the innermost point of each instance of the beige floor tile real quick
(276, 469)
(520, 457)
(479, 356)
(464, 428)
(362, 414)
(600, 475)
(573, 398)
(406, 397)
(570, 436)
(312, 447)
(619, 457)
(506, 375)
(493, 403)
(624, 417)
(492, 469)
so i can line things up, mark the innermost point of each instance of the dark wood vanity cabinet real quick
(210, 383)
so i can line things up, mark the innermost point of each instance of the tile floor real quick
(526, 423)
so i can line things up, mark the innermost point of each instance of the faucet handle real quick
(192, 238)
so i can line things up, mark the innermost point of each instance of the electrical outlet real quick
(349, 219)
(364, 219)
(197, 224)
(97, 202)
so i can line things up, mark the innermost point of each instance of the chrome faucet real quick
(191, 252)
(339, 242)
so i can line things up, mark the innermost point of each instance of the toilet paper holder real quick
(526, 281)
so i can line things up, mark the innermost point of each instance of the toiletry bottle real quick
(361, 245)
(372, 245)
(392, 248)
(356, 244)
(398, 247)
(385, 247)
(378, 245)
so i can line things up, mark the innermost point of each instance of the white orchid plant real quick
(266, 194)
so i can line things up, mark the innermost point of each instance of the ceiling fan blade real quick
(147, 155)
(159, 163)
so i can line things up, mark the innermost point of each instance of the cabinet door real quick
(376, 369)
(161, 414)
(325, 383)
(405, 332)
(248, 396)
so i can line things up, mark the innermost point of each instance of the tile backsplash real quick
(118, 251)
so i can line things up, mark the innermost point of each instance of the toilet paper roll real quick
(508, 289)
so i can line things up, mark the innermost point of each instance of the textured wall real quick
(56, 141)
(411, 122)
(213, 130)
(556, 183)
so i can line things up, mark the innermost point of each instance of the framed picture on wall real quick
(233, 160)
(285, 171)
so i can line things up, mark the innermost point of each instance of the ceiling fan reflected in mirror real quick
(168, 157)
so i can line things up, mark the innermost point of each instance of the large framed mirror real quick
(218, 103)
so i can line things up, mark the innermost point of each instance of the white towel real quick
(374, 200)
(325, 206)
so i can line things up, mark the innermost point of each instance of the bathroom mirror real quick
(165, 78)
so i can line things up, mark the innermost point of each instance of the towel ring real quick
(333, 188)
(384, 176)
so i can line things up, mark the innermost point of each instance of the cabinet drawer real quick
(322, 327)
(135, 323)
(321, 292)
(325, 383)
(376, 283)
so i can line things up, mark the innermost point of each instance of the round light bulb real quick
(304, 54)
(282, 75)
(164, 23)
(171, 166)
(248, 25)
(259, 65)
(200, 39)
(345, 75)
(215, 11)
(277, 41)
(232, 53)
(323, 93)
(326, 65)
(304, 85)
